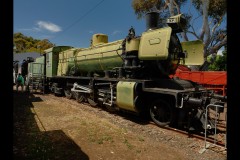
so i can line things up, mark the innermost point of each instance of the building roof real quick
(21, 56)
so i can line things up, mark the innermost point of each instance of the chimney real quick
(152, 20)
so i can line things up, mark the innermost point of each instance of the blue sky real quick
(73, 22)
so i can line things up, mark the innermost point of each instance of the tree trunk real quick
(205, 35)
(171, 7)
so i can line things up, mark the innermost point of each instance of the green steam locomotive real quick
(131, 74)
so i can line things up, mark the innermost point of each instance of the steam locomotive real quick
(131, 74)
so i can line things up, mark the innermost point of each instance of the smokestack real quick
(152, 20)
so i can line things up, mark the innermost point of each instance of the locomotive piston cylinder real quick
(195, 102)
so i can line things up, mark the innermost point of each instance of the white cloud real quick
(48, 26)
(116, 32)
(42, 25)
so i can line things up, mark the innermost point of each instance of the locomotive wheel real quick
(68, 93)
(161, 113)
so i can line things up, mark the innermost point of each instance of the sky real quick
(73, 22)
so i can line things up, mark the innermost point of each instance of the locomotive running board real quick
(166, 86)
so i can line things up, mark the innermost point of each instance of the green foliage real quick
(29, 44)
(220, 63)
(141, 7)
(217, 8)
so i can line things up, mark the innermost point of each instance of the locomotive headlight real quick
(177, 23)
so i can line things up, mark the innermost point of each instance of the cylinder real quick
(152, 20)
(195, 102)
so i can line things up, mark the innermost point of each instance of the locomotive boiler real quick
(132, 75)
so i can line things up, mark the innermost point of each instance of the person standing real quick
(14, 77)
(20, 81)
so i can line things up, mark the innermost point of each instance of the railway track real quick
(221, 132)
(216, 145)
(201, 137)
(219, 141)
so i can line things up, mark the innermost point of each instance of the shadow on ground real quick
(31, 143)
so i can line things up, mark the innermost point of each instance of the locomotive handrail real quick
(100, 52)
(111, 100)
(66, 59)
(215, 133)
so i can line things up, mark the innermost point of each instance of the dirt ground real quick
(49, 127)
